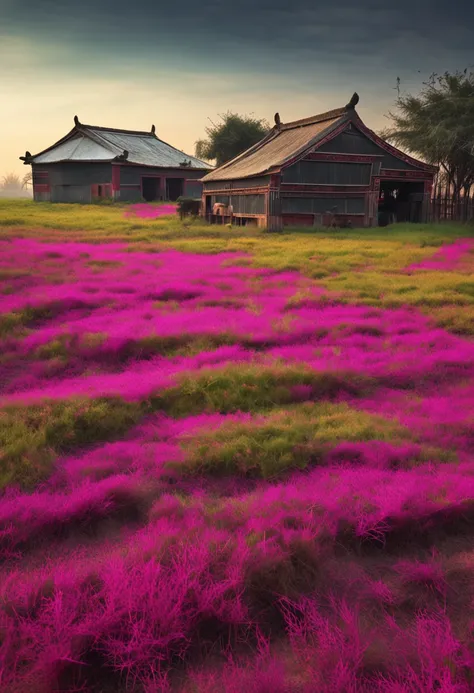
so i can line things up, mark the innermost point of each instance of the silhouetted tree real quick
(27, 180)
(231, 137)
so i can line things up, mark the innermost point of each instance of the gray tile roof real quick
(93, 143)
(79, 148)
(279, 146)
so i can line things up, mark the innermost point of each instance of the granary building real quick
(323, 170)
(127, 165)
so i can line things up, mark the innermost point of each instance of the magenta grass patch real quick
(118, 569)
(452, 256)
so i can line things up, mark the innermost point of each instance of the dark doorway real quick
(400, 201)
(174, 188)
(151, 189)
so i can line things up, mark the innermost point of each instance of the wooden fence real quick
(446, 208)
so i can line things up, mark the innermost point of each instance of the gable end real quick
(354, 141)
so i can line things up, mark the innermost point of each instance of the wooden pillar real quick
(274, 217)
(426, 205)
(372, 218)
(116, 181)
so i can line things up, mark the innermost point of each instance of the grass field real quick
(233, 460)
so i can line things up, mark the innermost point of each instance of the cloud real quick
(229, 35)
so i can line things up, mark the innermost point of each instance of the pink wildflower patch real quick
(450, 256)
(123, 568)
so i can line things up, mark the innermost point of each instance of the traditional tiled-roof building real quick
(127, 165)
(323, 168)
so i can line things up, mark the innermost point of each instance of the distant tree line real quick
(14, 186)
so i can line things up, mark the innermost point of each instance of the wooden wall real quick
(131, 180)
(240, 184)
(321, 205)
(69, 181)
(328, 173)
(355, 142)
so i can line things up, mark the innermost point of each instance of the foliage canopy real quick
(230, 137)
(438, 125)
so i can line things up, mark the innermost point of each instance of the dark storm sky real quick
(186, 60)
(250, 34)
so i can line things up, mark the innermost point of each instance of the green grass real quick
(31, 437)
(290, 438)
(392, 290)
(451, 318)
(10, 322)
(252, 388)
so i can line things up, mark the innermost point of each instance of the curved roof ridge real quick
(141, 133)
(319, 118)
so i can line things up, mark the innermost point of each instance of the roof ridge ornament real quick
(27, 158)
(353, 102)
(76, 121)
(153, 129)
(277, 121)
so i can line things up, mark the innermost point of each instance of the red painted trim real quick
(309, 189)
(343, 158)
(393, 174)
(332, 195)
(115, 178)
(297, 219)
(237, 191)
(41, 187)
(357, 122)
(165, 168)
(309, 219)
(244, 215)
(40, 174)
(106, 189)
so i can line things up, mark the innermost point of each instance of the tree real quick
(11, 183)
(438, 125)
(27, 180)
(231, 137)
